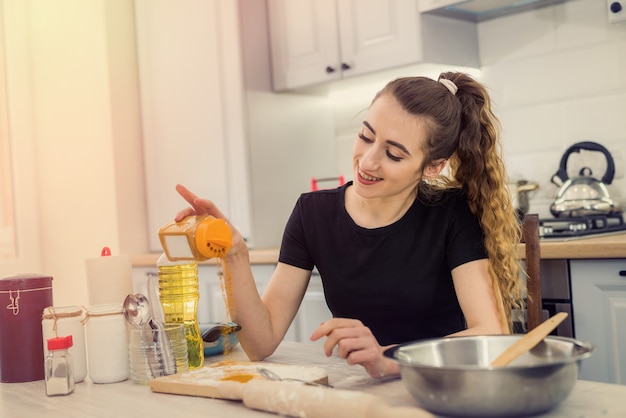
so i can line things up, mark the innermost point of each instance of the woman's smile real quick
(367, 179)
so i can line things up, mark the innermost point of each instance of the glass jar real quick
(67, 320)
(59, 366)
(147, 360)
(107, 343)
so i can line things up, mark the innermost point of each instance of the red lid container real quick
(60, 343)
(22, 301)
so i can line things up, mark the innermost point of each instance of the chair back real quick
(530, 238)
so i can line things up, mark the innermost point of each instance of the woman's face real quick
(387, 154)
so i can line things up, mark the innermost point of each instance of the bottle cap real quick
(213, 237)
(59, 343)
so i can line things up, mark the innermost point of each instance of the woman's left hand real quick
(355, 343)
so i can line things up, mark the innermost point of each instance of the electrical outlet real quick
(616, 10)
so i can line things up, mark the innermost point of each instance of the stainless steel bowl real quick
(453, 376)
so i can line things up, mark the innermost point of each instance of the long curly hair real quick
(462, 128)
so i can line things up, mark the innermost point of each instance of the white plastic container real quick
(63, 321)
(107, 343)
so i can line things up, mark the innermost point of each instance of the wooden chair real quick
(530, 238)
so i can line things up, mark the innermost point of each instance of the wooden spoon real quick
(528, 341)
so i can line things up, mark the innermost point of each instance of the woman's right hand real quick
(201, 206)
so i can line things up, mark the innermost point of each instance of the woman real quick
(404, 252)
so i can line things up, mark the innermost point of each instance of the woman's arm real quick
(476, 297)
(264, 321)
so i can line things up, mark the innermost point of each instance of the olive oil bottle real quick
(179, 295)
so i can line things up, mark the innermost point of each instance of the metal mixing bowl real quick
(453, 376)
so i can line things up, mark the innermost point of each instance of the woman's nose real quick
(370, 158)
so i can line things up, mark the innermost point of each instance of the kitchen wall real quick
(557, 76)
(291, 135)
(73, 121)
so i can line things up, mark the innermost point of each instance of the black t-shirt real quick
(395, 279)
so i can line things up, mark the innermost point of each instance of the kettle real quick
(584, 195)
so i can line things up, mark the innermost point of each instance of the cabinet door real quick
(191, 103)
(599, 304)
(313, 311)
(315, 41)
(304, 42)
(212, 306)
(378, 34)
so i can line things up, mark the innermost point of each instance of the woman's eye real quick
(393, 157)
(366, 139)
(388, 153)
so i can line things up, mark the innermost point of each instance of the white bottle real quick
(67, 320)
(107, 343)
(59, 366)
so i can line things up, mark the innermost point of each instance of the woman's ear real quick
(433, 169)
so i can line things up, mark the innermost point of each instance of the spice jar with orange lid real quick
(193, 239)
(198, 238)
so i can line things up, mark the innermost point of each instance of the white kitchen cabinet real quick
(192, 108)
(212, 308)
(599, 303)
(313, 311)
(316, 41)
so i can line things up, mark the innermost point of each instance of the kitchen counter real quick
(127, 399)
(607, 246)
(602, 246)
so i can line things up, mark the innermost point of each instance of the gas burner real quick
(581, 226)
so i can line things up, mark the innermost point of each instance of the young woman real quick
(420, 245)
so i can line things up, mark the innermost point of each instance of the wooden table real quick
(127, 399)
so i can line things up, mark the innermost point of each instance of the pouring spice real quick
(226, 286)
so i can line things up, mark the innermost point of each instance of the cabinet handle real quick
(622, 273)
(330, 69)
(345, 66)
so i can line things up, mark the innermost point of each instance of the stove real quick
(581, 227)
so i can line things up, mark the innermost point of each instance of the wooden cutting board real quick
(226, 379)
(241, 381)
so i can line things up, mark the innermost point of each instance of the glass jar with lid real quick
(63, 321)
(107, 343)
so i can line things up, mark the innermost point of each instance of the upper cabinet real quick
(316, 41)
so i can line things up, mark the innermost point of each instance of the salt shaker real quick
(107, 343)
(59, 367)
(67, 320)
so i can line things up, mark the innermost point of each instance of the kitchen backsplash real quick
(557, 76)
